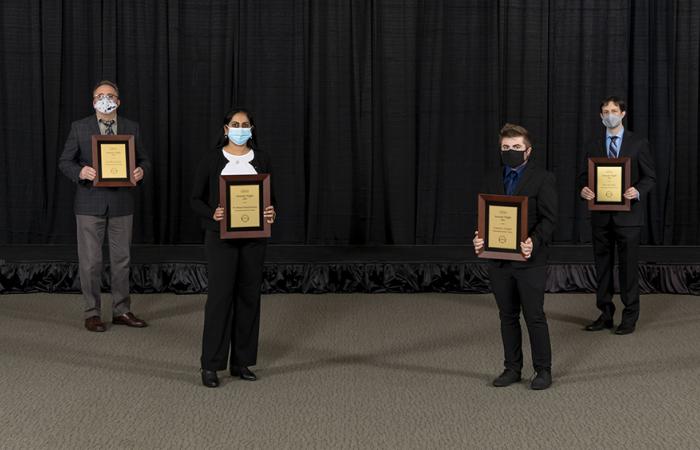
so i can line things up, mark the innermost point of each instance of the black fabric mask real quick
(512, 158)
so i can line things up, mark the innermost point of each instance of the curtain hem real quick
(191, 278)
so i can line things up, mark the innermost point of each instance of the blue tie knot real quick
(510, 181)
(613, 151)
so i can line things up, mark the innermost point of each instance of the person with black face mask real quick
(520, 285)
(621, 229)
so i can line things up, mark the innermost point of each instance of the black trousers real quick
(626, 239)
(232, 311)
(516, 289)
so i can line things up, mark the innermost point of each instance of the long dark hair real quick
(223, 140)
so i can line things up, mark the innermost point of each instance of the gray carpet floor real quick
(346, 371)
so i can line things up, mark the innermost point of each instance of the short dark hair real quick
(620, 103)
(106, 83)
(511, 130)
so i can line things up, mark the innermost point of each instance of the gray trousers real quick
(91, 233)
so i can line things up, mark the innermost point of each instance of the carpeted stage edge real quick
(181, 269)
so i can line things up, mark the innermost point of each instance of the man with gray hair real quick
(100, 209)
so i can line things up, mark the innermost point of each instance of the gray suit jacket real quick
(99, 201)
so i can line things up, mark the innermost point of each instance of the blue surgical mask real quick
(240, 136)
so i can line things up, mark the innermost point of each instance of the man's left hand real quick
(526, 248)
(270, 214)
(138, 174)
(631, 193)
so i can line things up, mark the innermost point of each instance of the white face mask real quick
(612, 120)
(105, 105)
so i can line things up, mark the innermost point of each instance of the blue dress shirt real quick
(619, 141)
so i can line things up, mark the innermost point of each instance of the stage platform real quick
(321, 269)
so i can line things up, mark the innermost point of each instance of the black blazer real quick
(204, 198)
(539, 185)
(643, 177)
(89, 200)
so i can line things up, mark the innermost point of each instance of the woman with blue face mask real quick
(234, 266)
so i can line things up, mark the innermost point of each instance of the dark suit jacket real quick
(643, 177)
(539, 185)
(204, 198)
(98, 201)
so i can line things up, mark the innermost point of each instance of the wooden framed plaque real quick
(609, 178)
(502, 226)
(114, 160)
(244, 199)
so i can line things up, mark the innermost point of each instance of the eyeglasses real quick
(102, 96)
(516, 147)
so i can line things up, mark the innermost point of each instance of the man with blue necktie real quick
(621, 229)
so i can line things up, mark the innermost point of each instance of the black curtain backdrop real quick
(381, 116)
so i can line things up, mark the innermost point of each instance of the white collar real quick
(246, 157)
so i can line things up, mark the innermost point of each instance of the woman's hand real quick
(478, 243)
(219, 214)
(526, 248)
(270, 214)
(138, 174)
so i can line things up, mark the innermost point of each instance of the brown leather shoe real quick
(130, 320)
(95, 324)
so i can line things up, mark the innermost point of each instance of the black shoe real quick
(600, 324)
(209, 378)
(508, 377)
(625, 329)
(542, 380)
(243, 372)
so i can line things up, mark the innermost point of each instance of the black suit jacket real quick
(77, 153)
(643, 177)
(204, 197)
(539, 185)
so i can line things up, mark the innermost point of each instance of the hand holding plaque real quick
(114, 160)
(609, 179)
(502, 226)
(244, 199)
(269, 214)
